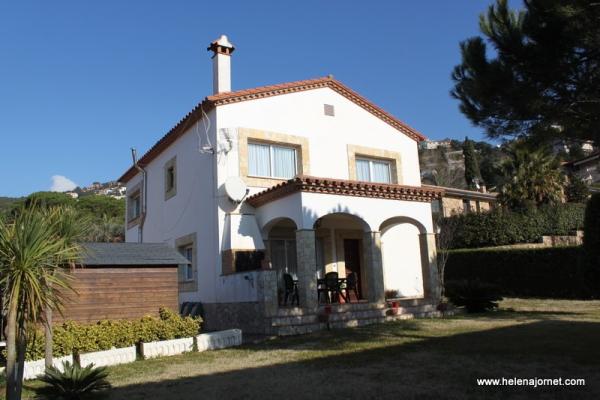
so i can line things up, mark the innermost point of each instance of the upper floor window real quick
(373, 170)
(170, 178)
(134, 203)
(271, 161)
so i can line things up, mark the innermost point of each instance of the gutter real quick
(144, 197)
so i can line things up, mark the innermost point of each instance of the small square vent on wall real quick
(329, 110)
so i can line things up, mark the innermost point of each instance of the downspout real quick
(143, 197)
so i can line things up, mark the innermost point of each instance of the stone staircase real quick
(297, 321)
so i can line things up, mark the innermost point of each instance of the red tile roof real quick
(345, 187)
(260, 92)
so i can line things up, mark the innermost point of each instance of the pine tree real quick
(544, 80)
(472, 173)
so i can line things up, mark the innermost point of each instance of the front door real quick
(352, 260)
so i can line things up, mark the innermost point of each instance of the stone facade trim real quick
(246, 135)
(392, 157)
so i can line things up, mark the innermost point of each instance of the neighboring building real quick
(333, 186)
(460, 201)
(434, 144)
(587, 168)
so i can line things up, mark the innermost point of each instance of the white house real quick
(333, 185)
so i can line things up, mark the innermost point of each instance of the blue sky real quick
(81, 82)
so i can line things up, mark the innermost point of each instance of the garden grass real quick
(423, 358)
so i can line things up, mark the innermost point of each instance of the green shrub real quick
(502, 227)
(74, 383)
(591, 238)
(72, 337)
(474, 295)
(543, 272)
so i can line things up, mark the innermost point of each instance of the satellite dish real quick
(236, 189)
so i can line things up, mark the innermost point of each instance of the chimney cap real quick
(221, 45)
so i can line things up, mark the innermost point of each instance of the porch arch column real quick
(372, 251)
(306, 258)
(429, 266)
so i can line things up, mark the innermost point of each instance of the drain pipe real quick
(144, 194)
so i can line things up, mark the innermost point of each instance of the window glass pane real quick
(381, 171)
(278, 254)
(189, 272)
(284, 162)
(362, 170)
(258, 160)
(290, 253)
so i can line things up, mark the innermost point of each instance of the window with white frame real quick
(188, 271)
(271, 161)
(134, 203)
(373, 170)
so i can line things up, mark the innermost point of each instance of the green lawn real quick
(427, 358)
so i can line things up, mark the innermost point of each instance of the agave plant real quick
(73, 383)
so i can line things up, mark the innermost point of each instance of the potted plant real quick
(391, 297)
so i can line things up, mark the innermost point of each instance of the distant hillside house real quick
(459, 201)
(587, 168)
(268, 191)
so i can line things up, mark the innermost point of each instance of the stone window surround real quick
(393, 157)
(170, 192)
(246, 135)
(185, 241)
(136, 190)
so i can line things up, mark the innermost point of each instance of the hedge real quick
(71, 337)
(556, 272)
(503, 227)
(591, 238)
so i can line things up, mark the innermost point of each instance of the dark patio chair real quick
(352, 286)
(332, 283)
(290, 289)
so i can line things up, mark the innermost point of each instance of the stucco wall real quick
(402, 266)
(189, 211)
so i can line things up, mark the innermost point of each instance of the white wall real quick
(301, 114)
(402, 268)
(191, 210)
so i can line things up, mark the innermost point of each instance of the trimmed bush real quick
(591, 237)
(72, 337)
(502, 227)
(556, 272)
(474, 295)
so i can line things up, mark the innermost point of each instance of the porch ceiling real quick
(345, 188)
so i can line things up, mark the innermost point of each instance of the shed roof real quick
(141, 254)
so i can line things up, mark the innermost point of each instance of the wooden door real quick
(352, 259)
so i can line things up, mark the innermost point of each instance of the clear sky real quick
(81, 82)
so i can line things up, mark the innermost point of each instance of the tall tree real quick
(544, 78)
(472, 173)
(32, 257)
(531, 178)
(71, 228)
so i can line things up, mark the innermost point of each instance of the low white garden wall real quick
(33, 369)
(167, 347)
(108, 357)
(219, 340)
(205, 341)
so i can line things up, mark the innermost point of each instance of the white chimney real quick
(222, 50)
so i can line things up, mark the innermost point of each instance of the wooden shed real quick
(123, 281)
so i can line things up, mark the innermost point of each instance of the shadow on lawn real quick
(445, 367)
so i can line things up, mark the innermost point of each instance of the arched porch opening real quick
(404, 251)
(280, 241)
(340, 248)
